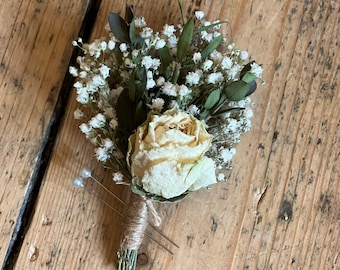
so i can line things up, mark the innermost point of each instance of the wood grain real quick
(280, 208)
(34, 52)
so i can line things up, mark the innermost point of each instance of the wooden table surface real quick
(280, 209)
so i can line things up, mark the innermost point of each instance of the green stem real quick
(127, 259)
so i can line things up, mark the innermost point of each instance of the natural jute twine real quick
(140, 212)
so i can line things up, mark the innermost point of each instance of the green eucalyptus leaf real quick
(239, 90)
(119, 27)
(185, 39)
(212, 99)
(132, 31)
(248, 77)
(211, 46)
(139, 42)
(204, 114)
(166, 58)
(252, 87)
(205, 28)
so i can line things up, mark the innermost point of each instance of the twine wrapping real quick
(140, 212)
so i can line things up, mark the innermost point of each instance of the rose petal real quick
(203, 173)
(167, 179)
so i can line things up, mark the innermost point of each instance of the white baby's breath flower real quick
(104, 71)
(140, 22)
(123, 47)
(118, 177)
(95, 48)
(82, 74)
(78, 114)
(111, 45)
(169, 89)
(207, 64)
(206, 36)
(197, 57)
(73, 71)
(160, 81)
(155, 63)
(256, 69)
(147, 61)
(193, 78)
(83, 96)
(78, 85)
(226, 63)
(150, 83)
(183, 90)
(234, 71)
(108, 144)
(244, 55)
(220, 177)
(85, 128)
(157, 104)
(227, 154)
(231, 46)
(103, 45)
(98, 80)
(248, 113)
(232, 125)
(113, 124)
(172, 41)
(215, 77)
(199, 15)
(160, 44)
(168, 30)
(101, 154)
(193, 109)
(146, 32)
(98, 121)
(216, 56)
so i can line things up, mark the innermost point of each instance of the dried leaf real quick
(119, 27)
(140, 114)
(129, 13)
(125, 111)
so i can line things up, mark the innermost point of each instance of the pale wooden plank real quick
(292, 154)
(297, 157)
(34, 52)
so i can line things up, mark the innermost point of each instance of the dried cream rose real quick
(166, 154)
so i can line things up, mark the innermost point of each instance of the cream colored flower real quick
(166, 154)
